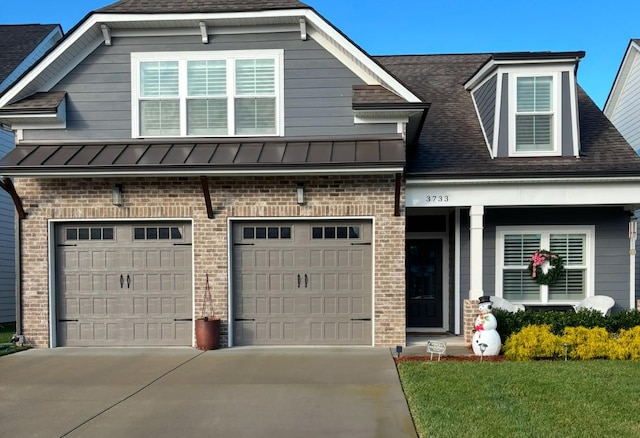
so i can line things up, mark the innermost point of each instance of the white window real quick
(207, 94)
(516, 245)
(535, 121)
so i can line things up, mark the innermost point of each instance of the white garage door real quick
(123, 284)
(302, 283)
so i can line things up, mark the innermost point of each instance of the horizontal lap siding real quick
(7, 244)
(627, 112)
(317, 94)
(485, 98)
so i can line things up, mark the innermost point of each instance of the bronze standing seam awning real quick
(386, 155)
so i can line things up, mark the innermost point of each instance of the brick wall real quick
(469, 319)
(174, 198)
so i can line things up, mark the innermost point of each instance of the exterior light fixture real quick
(300, 194)
(398, 350)
(116, 195)
(483, 348)
(633, 228)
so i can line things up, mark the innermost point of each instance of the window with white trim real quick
(516, 245)
(535, 114)
(204, 94)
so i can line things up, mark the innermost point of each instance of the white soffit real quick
(88, 36)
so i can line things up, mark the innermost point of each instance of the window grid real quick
(534, 113)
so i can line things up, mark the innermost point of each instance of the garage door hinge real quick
(360, 319)
(361, 244)
(244, 319)
(68, 244)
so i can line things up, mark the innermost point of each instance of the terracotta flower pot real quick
(207, 333)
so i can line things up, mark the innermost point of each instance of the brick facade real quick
(469, 318)
(175, 198)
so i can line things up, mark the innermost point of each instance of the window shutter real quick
(517, 284)
(255, 77)
(207, 107)
(159, 79)
(159, 90)
(518, 248)
(207, 78)
(571, 284)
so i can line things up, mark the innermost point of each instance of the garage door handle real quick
(299, 281)
(67, 320)
(128, 281)
(360, 319)
(306, 281)
(121, 281)
(244, 319)
(182, 319)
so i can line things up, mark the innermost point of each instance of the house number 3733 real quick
(437, 198)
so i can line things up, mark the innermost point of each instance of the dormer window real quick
(202, 94)
(534, 114)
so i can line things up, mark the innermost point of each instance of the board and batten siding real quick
(611, 245)
(317, 87)
(626, 116)
(7, 244)
(485, 98)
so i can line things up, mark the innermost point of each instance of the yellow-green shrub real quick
(533, 342)
(585, 344)
(627, 345)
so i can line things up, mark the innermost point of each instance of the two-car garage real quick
(293, 283)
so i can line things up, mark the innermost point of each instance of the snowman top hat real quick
(485, 299)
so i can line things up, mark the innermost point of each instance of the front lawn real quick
(523, 399)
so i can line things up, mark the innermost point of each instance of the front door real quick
(424, 283)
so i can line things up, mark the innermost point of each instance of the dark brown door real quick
(424, 283)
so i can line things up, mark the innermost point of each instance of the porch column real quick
(476, 215)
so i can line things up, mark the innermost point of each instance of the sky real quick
(391, 27)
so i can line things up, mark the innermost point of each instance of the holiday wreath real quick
(553, 271)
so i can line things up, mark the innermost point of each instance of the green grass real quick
(7, 330)
(523, 399)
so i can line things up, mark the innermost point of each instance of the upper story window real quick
(207, 94)
(535, 116)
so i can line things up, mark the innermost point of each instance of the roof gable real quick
(630, 56)
(17, 42)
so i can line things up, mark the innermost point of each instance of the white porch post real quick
(476, 215)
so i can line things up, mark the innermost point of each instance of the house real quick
(623, 103)
(20, 47)
(326, 197)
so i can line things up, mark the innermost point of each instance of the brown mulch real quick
(469, 358)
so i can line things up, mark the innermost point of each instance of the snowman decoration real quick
(486, 337)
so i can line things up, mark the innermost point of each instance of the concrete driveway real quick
(239, 392)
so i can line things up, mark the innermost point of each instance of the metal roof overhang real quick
(208, 157)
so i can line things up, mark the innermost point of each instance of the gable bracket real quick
(204, 32)
(207, 196)
(303, 29)
(106, 34)
(7, 185)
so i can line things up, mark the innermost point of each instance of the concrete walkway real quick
(239, 392)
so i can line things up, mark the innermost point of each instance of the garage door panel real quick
(124, 291)
(312, 301)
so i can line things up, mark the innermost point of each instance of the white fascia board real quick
(195, 173)
(621, 78)
(512, 65)
(523, 193)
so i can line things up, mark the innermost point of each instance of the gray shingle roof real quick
(452, 144)
(17, 42)
(374, 94)
(36, 103)
(191, 6)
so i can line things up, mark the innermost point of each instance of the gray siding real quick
(611, 245)
(317, 87)
(485, 98)
(566, 122)
(7, 244)
(626, 114)
(503, 133)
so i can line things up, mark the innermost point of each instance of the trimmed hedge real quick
(581, 343)
(512, 322)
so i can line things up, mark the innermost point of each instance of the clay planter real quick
(207, 333)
